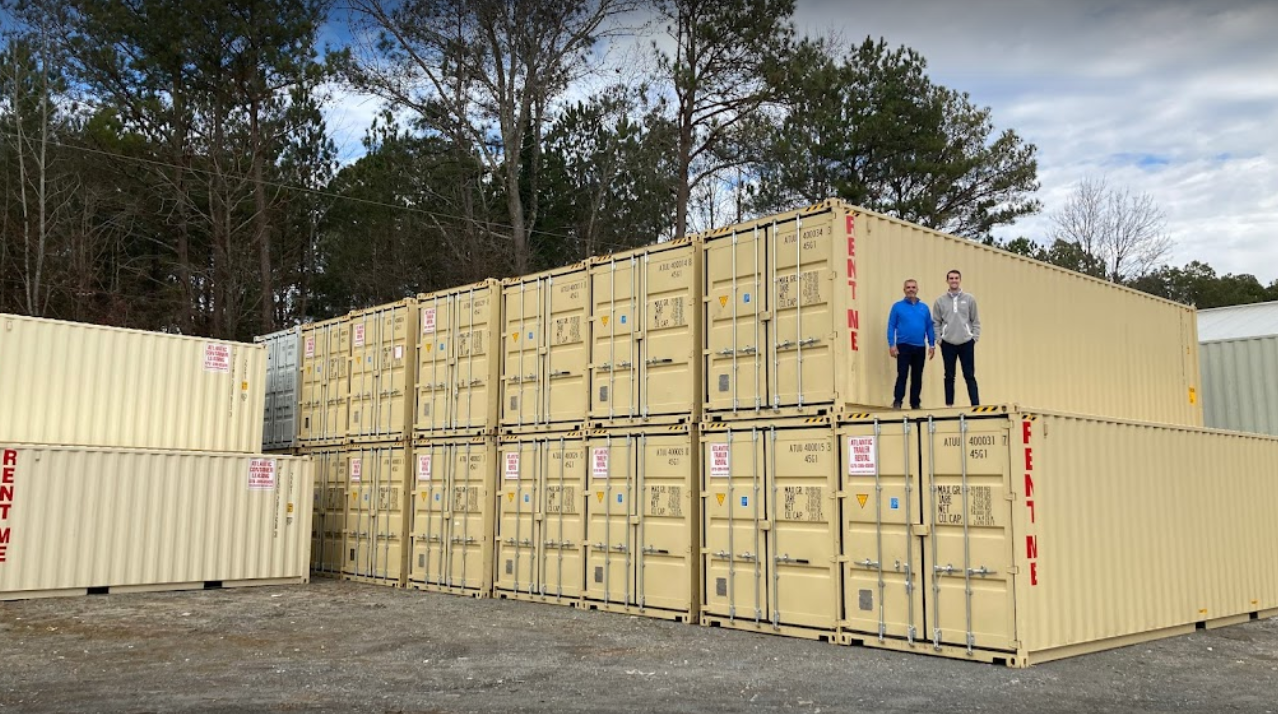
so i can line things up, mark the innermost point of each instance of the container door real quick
(564, 527)
(966, 472)
(519, 519)
(882, 509)
(735, 583)
(735, 327)
(668, 521)
(804, 516)
(610, 513)
(670, 344)
(336, 380)
(394, 358)
(390, 517)
(366, 366)
(435, 377)
(285, 398)
(566, 396)
(359, 507)
(269, 428)
(615, 353)
(430, 519)
(331, 484)
(310, 403)
(469, 511)
(473, 355)
(522, 373)
(319, 509)
(802, 281)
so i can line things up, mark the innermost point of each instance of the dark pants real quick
(966, 355)
(909, 362)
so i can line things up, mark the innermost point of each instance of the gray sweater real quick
(955, 318)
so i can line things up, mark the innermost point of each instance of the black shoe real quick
(949, 406)
(915, 407)
(896, 405)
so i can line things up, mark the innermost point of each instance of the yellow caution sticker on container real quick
(244, 387)
(723, 301)
(861, 498)
(290, 508)
(1193, 396)
(599, 495)
(720, 496)
(514, 336)
(511, 496)
(604, 318)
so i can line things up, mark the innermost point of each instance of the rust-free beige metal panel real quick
(1239, 389)
(1037, 535)
(328, 520)
(546, 350)
(326, 380)
(642, 522)
(103, 386)
(74, 518)
(797, 309)
(377, 484)
(459, 362)
(383, 365)
(540, 540)
(770, 525)
(645, 326)
(454, 509)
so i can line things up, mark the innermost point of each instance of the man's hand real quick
(892, 351)
(931, 352)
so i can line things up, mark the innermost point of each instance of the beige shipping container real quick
(383, 365)
(328, 520)
(75, 520)
(326, 379)
(90, 385)
(645, 361)
(546, 355)
(459, 361)
(1021, 536)
(541, 528)
(797, 308)
(377, 487)
(454, 507)
(770, 533)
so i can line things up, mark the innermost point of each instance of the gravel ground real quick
(335, 646)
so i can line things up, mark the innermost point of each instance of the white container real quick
(88, 385)
(75, 520)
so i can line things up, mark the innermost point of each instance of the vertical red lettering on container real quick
(8, 477)
(1031, 540)
(854, 316)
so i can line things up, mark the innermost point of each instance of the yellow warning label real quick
(723, 301)
(720, 496)
(861, 498)
(290, 508)
(514, 336)
(244, 388)
(510, 496)
(599, 495)
(605, 320)
(1193, 396)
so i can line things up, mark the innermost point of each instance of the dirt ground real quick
(335, 646)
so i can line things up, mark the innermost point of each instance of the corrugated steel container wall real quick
(459, 362)
(801, 340)
(646, 335)
(540, 539)
(279, 428)
(770, 527)
(453, 510)
(377, 481)
(1239, 389)
(74, 518)
(1030, 536)
(102, 386)
(325, 392)
(328, 520)
(383, 369)
(546, 355)
(643, 522)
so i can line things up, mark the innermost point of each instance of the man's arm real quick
(976, 323)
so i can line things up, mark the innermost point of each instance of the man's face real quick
(953, 279)
(911, 289)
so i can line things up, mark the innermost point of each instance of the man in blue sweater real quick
(910, 333)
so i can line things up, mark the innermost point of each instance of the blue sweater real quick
(910, 324)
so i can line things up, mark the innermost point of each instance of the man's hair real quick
(953, 272)
(910, 280)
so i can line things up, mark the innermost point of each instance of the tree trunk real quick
(261, 224)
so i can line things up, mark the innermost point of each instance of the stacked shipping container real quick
(130, 461)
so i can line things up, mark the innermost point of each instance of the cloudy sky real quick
(1177, 99)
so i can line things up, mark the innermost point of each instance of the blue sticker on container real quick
(745, 298)
(530, 335)
(437, 497)
(366, 496)
(441, 347)
(526, 498)
(896, 503)
(623, 319)
(368, 359)
(618, 498)
(745, 501)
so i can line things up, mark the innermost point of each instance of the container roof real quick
(1238, 322)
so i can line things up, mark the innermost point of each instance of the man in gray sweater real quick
(958, 328)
